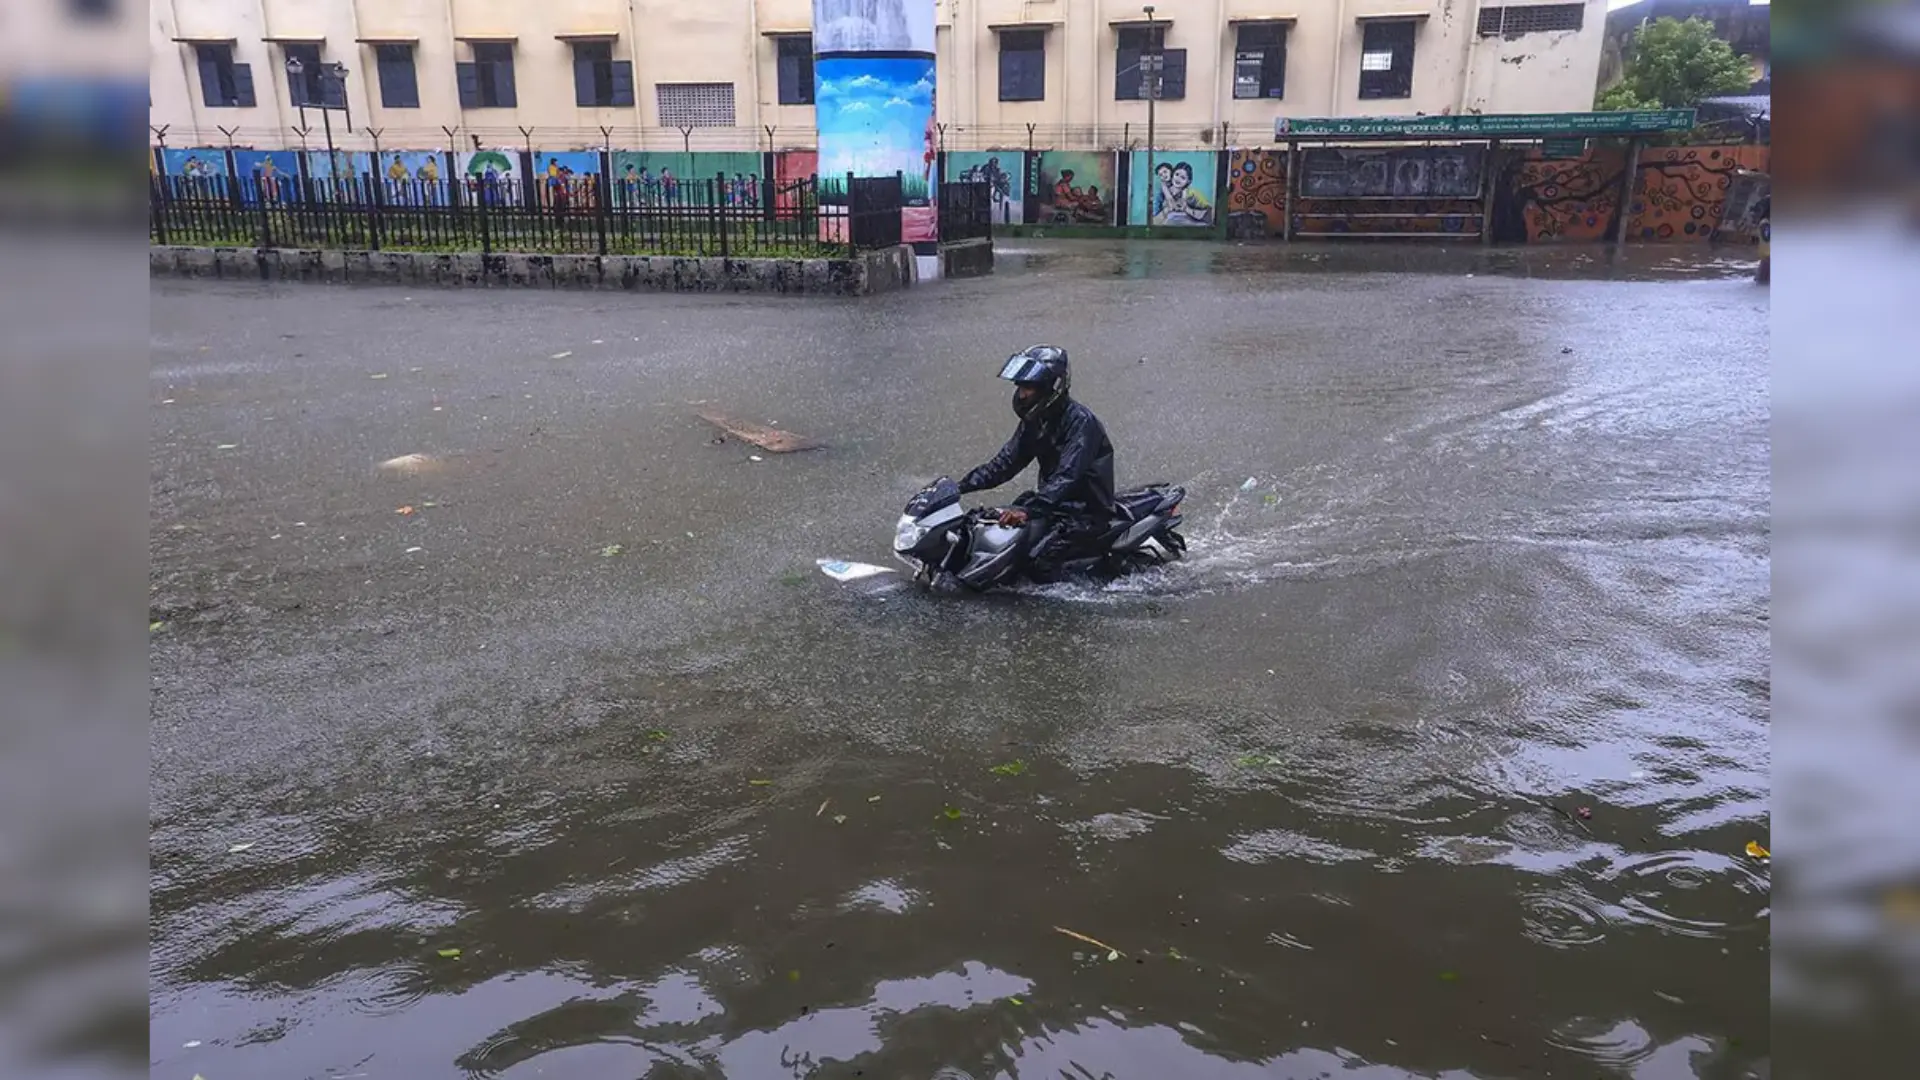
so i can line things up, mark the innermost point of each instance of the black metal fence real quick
(739, 217)
(966, 210)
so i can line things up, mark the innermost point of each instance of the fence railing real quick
(738, 217)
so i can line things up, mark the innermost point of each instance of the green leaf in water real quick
(793, 975)
(760, 783)
(156, 626)
(1449, 976)
(611, 550)
(1015, 767)
(1015, 1001)
(952, 813)
(1255, 761)
(1174, 954)
(449, 954)
(657, 735)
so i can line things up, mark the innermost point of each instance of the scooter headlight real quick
(908, 534)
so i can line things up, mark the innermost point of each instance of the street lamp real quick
(1151, 84)
(332, 74)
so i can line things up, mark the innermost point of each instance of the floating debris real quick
(766, 438)
(409, 463)
(1015, 767)
(449, 954)
(1112, 953)
(1756, 851)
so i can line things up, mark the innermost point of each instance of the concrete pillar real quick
(874, 74)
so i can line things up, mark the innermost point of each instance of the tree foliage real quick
(1674, 64)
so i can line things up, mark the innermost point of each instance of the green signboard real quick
(1562, 148)
(1488, 126)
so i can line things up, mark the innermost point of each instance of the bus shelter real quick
(1449, 160)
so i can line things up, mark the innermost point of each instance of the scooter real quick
(938, 539)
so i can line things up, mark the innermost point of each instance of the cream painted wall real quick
(1455, 68)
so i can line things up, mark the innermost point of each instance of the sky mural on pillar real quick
(873, 114)
(874, 100)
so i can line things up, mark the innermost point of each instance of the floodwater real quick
(1437, 759)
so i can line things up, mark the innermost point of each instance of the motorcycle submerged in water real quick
(940, 540)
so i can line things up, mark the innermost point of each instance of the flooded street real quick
(1437, 758)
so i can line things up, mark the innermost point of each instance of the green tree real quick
(1673, 64)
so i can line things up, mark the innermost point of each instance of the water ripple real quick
(1563, 918)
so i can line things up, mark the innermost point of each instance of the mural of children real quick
(429, 177)
(1091, 209)
(1162, 192)
(1184, 206)
(267, 176)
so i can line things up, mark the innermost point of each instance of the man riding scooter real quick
(1075, 495)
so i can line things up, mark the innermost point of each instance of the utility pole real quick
(1150, 67)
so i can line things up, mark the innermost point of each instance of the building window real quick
(1386, 59)
(399, 84)
(692, 105)
(1023, 65)
(1533, 19)
(1136, 43)
(223, 83)
(1260, 61)
(600, 81)
(487, 82)
(796, 68)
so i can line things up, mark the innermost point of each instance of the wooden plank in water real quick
(772, 440)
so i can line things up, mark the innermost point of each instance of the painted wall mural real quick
(645, 178)
(875, 118)
(1179, 193)
(1004, 173)
(1257, 192)
(490, 175)
(1682, 190)
(413, 177)
(203, 167)
(1547, 199)
(790, 167)
(566, 180)
(269, 175)
(1073, 187)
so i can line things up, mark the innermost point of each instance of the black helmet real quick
(1043, 367)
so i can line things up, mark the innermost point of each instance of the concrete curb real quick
(863, 275)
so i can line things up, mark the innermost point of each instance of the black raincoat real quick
(1076, 466)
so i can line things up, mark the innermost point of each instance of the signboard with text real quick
(1488, 126)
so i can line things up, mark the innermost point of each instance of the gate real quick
(873, 206)
(966, 210)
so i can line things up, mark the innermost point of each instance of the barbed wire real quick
(560, 138)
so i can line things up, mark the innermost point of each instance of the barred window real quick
(1531, 19)
(695, 104)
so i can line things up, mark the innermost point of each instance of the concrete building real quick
(653, 74)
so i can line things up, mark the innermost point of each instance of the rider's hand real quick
(1013, 518)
